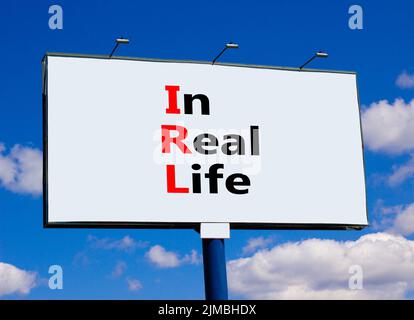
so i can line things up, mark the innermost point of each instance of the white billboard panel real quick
(164, 143)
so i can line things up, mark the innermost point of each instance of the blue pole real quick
(215, 277)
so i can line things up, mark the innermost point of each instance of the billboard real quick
(161, 143)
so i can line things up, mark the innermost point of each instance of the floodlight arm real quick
(307, 62)
(219, 55)
(230, 45)
(318, 54)
(118, 42)
(114, 49)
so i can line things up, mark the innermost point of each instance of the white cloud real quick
(397, 219)
(119, 269)
(319, 269)
(133, 284)
(192, 258)
(15, 280)
(404, 221)
(405, 80)
(21, 169)
(126, 243)
(81, 259)
(389, 127)
(402, 173)
(162, 258)
(254, 244)
(384, 216)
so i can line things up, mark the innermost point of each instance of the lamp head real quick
(122, 41)
(232, 45)
(321, 54)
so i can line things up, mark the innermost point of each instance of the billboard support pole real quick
(215, 277)
(214, 260)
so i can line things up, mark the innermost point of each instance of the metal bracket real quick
(215, 230)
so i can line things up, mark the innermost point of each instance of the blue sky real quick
(282, 33)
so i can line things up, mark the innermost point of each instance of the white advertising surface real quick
(137, 142)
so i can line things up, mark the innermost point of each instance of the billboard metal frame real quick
(176, 225)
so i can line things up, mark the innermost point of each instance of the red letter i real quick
(172, 99)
